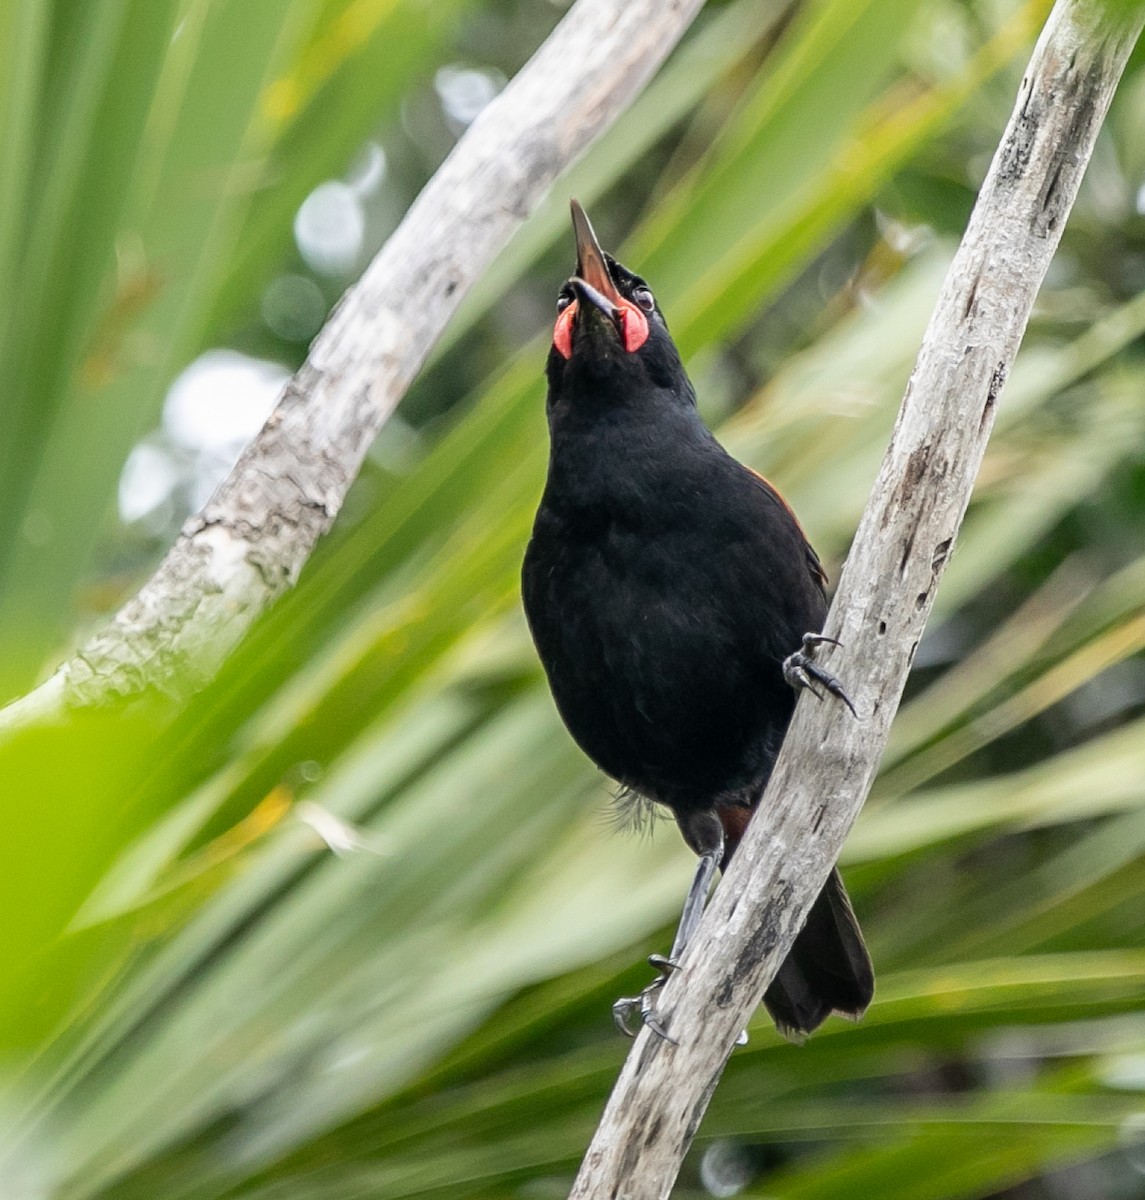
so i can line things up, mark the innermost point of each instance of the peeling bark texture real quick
(251, 540)
(884, 597)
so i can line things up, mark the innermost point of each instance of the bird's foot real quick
(627, 1008)
(643, 1006)
(802, 671)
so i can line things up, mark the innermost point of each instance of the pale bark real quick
(250, 541)
(884, 597)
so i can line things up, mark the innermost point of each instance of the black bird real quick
(669, 590)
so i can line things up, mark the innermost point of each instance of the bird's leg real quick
(693, 905)
(629, 1006)
(802, 671)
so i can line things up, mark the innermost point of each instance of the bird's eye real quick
(563, 301)
(643, 297)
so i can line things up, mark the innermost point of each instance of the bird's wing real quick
(814, 566)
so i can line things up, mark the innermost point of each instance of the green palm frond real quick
(349, 922)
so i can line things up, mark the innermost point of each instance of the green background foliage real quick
(201, 997)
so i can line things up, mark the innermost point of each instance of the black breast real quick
(662, 606)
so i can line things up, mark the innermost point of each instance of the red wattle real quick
(562, 331)
(635, 327)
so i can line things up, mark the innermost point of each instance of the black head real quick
(610, 342)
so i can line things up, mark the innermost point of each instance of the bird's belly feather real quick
(658, 663)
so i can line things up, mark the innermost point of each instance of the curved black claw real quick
(802, 671)
(643, 1006)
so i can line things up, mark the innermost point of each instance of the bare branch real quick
(885, 594)
(249, 543)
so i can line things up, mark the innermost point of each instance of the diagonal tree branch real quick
(250, 541)
(884, 598)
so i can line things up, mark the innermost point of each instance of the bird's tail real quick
(827, 970)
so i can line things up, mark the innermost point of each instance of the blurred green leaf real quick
(350, 921)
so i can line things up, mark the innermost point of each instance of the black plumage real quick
(665, 585)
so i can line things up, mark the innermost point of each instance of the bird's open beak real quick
(596, 293)
(589, 295)
(590, 265)
(592, 281)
